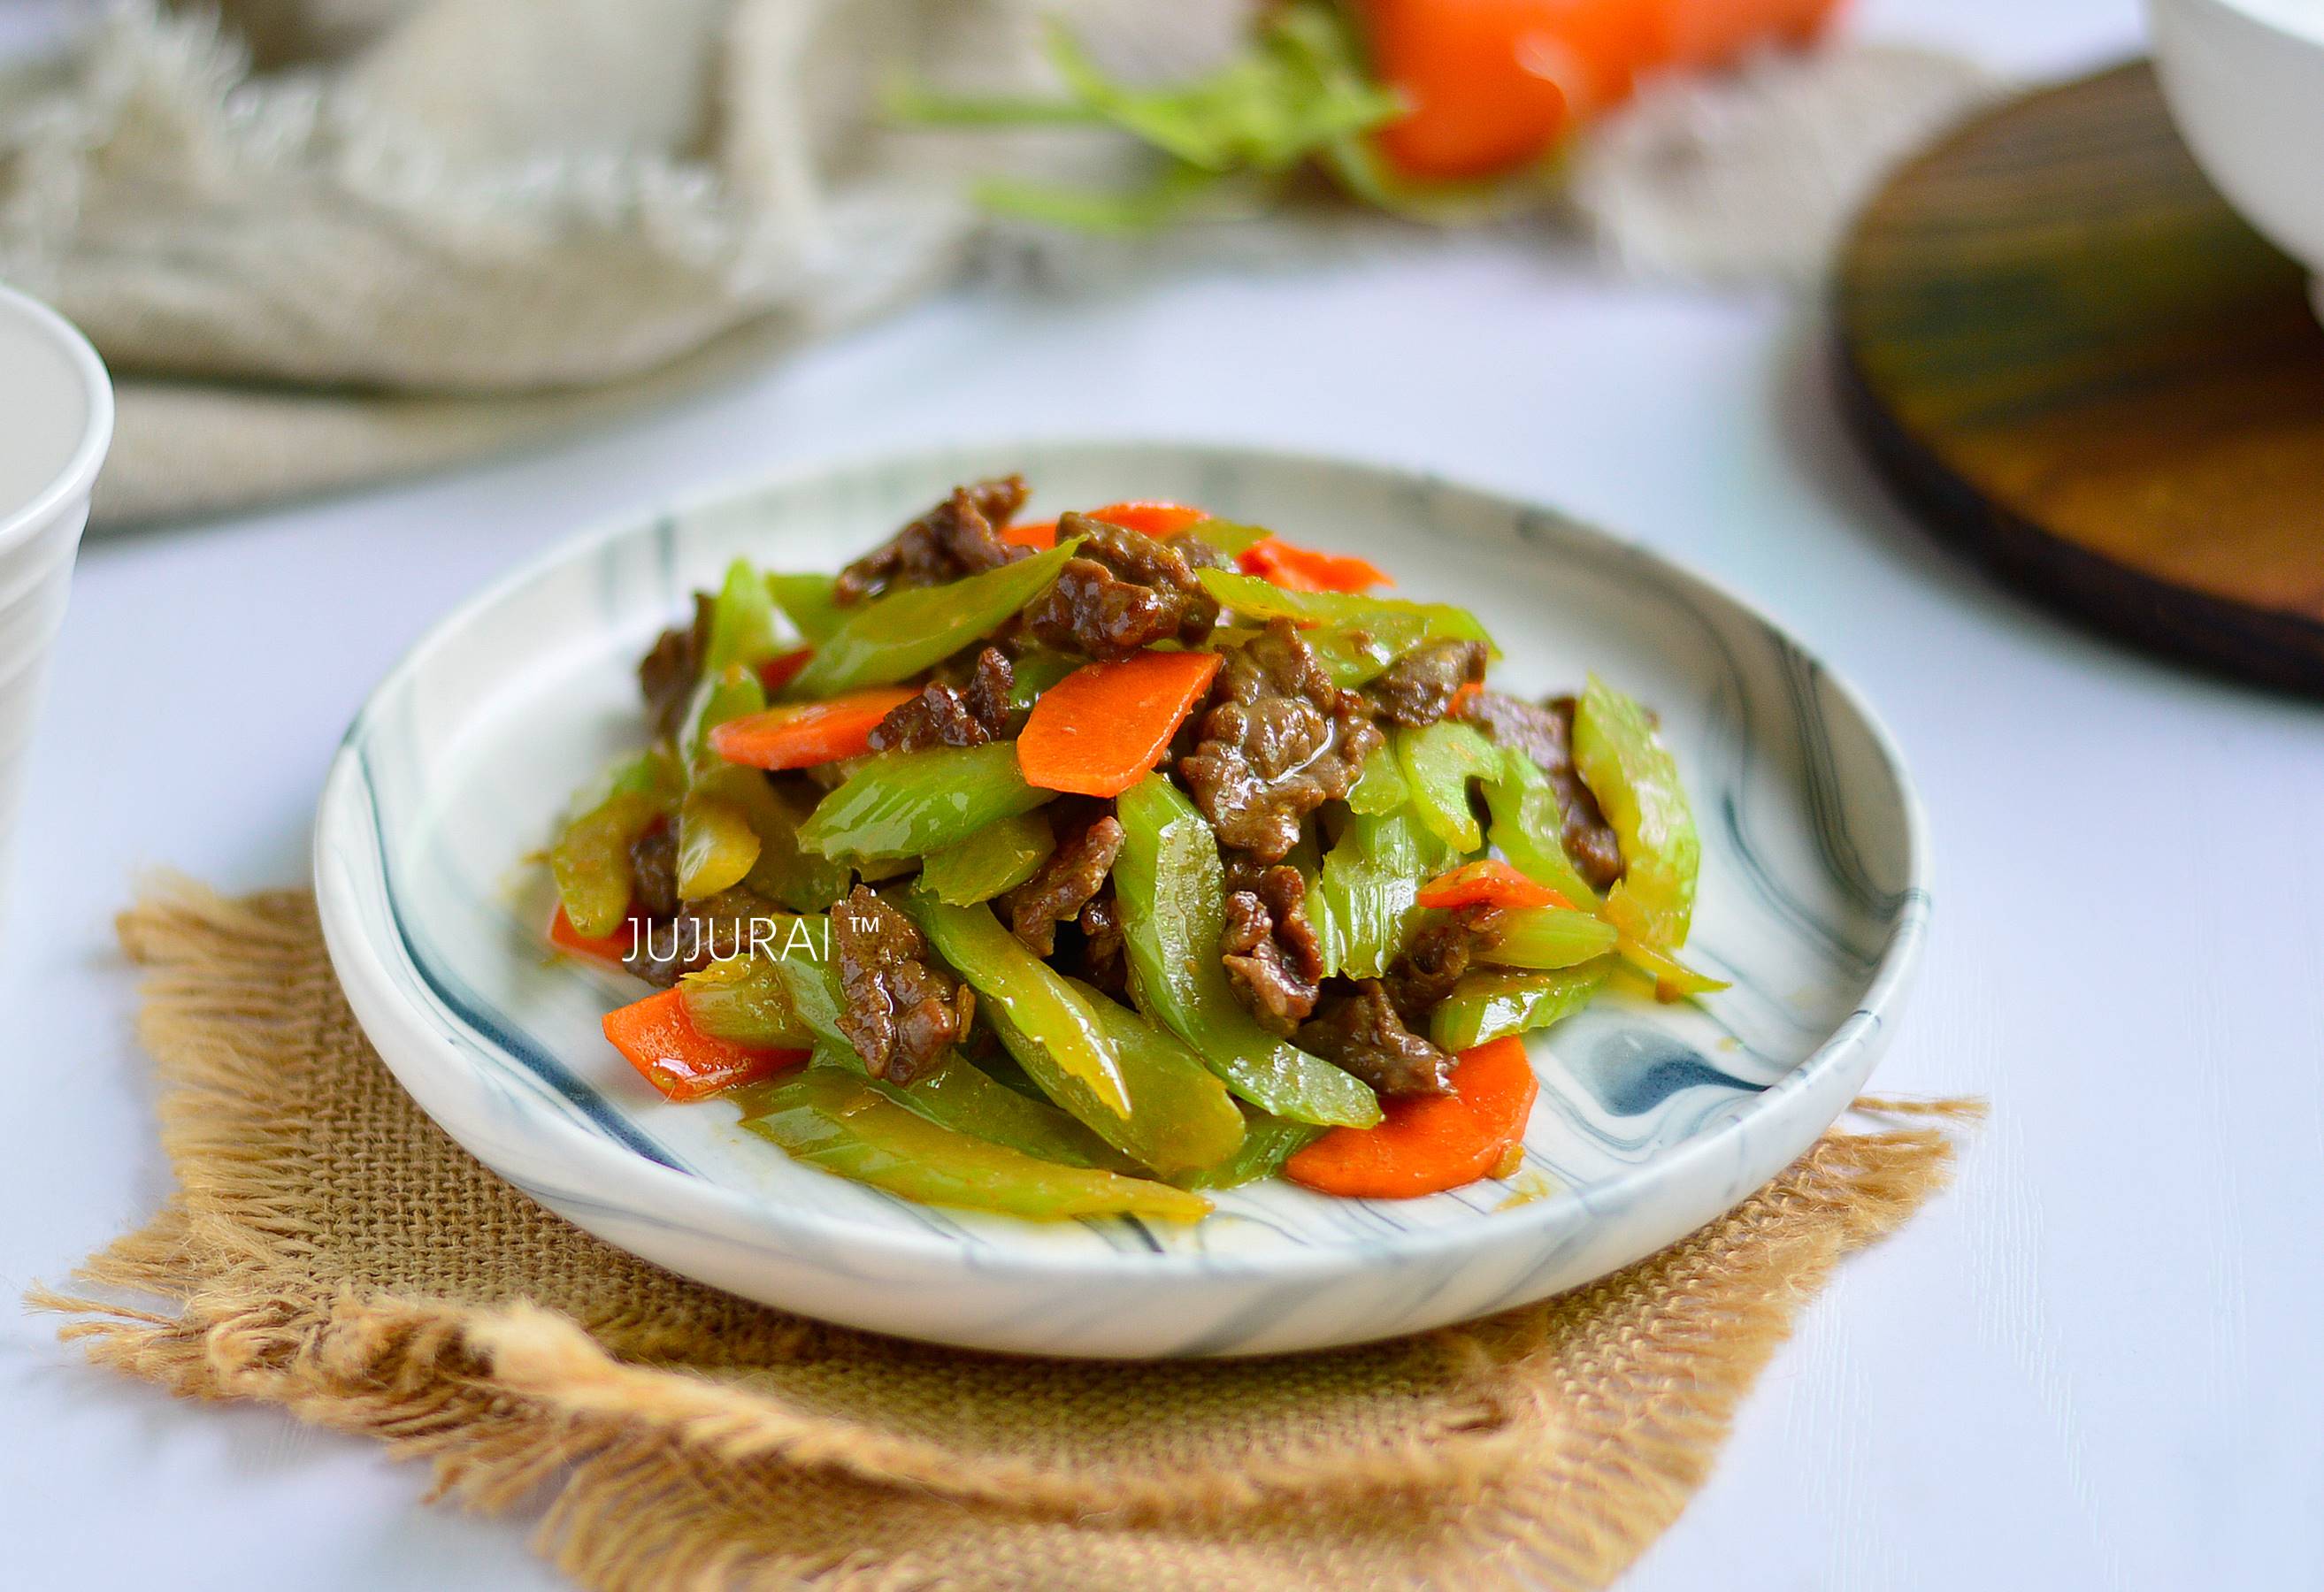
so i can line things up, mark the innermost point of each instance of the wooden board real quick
(2076, 363)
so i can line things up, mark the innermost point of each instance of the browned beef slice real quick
(958, 537)
(1417, 688)
(1120, 591)
(1278, 741)
(1270, 951)
(1359, 1029)
(1104, 960)
(1435, 960)
(1067, 882)
(951, 715)
(899, 1012)
(653, 872)
(667, 673)
(1545, 734)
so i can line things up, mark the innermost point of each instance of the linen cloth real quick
(323, 241)
(330, 1251)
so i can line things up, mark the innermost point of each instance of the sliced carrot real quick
(1103, 728)
(1705, 34)
(1427, 1143)
(1304, 569)
(802, 734)
(611, 948)
(1493, 84)
(1463, 696)
(1154, 517)
(1489, 882)
(1148, 517)
(778, 672)
(661, 1042)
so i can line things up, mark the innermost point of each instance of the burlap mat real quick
(332, 1252)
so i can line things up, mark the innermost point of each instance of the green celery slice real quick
(1254, 598)
(1528, 828)
(1023, 995)
(1170, 887)
(912, 803)
(1636, 781)
(1484, 1007)
(829, 1118)
(1367, 894)
(806, 600)
(994, 859)
(1438, 761)
(895, 637)
(1546, 937)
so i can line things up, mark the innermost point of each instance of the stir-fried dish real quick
(1075, 867)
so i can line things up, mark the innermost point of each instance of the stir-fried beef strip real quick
(666, 672)
(1278, 741)
(1270, 951)
(1360, 1029)
(1120, 592)
(1418, 688)
(1104, 960)
(958, 537)
(653, 872)
(949, 715)
(1545, 734)
(1068, 881)
(898, 1011)
(1433, 961)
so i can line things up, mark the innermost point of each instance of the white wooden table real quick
(2094, 1364)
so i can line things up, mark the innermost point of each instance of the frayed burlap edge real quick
(1577, 1430)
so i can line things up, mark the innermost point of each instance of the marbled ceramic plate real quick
(1651, 1120)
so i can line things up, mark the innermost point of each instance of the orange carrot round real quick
(1304, 569)
(1428, 1144)
(1489, 882)
(1103, 728)
(660, 1041)
(803, 735)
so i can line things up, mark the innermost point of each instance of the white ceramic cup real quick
(56, 421)
(2245, 79)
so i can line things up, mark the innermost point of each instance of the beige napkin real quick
(337, 240)
(330, 1252)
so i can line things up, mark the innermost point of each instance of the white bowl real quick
(56, 421)
(1652, 1120)
(2244, 81)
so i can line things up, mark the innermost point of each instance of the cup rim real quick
(78, 473)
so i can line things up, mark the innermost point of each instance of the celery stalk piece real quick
(742, 622)
(1023, 997)
(1367, 894)
(1268, 1142)
(806, 602)
(1171, 890)
(1546, 937)
(590, 860)
(1673, 979)
(1380, 788)
(716, 845)
(831, 1119)
(895, 637)
(1438, 761)
(1182, 1119)
(913, 803)
(1488, 1006)
(1528, 828)
(745, 998)
(1636, 781)
(1360, 654)
(996, 858)
(1254, 598)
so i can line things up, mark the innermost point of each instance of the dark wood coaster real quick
(2074, 361)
